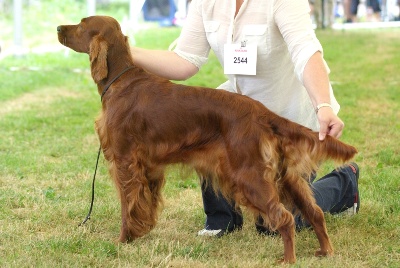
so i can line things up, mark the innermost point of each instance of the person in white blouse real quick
(269, 52)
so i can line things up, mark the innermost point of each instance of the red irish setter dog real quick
(253, 156)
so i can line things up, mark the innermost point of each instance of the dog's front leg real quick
(138, 207)
(124, 235)
(119, 174)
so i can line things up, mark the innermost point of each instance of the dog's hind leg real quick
(305, 202)
(261, 196)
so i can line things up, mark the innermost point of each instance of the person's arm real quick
(293, 20)
(316, 81)
(190, 54)
(163, 63)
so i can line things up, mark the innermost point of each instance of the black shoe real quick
(356, 205)
(262, 230)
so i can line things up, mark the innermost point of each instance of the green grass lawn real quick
(48, 150)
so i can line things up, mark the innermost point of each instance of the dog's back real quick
(196, 118)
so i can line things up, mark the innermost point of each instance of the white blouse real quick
(285, 39)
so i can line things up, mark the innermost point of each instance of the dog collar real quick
(112, 81)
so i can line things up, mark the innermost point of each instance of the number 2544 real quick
(240, 60)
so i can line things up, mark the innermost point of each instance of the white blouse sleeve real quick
(192, 43)
(294, 23)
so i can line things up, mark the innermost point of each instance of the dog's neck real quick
(117, 65)
(106, 87)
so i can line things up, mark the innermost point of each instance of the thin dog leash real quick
(94, 178)
(99, 152)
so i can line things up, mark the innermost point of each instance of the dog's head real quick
(94, 36)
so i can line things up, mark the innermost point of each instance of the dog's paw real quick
(285, 261)
(122, 240)
(323, 253)
(124, 237)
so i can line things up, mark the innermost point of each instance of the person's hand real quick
(330, 123)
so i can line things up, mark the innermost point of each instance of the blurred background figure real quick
(350, 10)
(322, 10)
(373, 10)
(398, 15)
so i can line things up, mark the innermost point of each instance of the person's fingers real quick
(323, 130)
(336, 130)
(330, 124)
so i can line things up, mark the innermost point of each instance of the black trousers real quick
(333, 193)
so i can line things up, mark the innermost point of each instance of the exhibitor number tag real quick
(240, 59)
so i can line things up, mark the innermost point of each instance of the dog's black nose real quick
(58, 29)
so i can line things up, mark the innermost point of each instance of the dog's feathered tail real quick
(334, 149)
(303, 149)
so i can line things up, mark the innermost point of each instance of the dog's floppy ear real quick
(98, 58)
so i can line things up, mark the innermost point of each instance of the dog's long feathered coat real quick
(253, 156)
